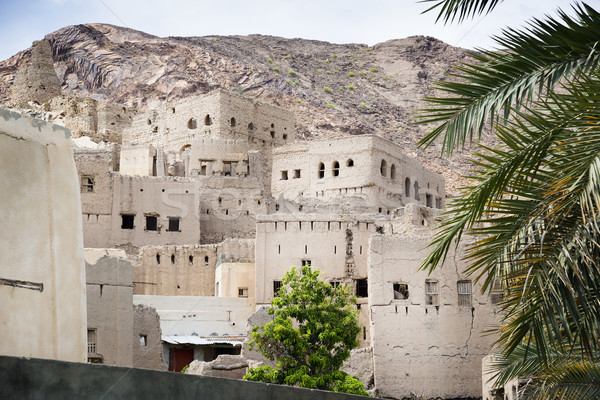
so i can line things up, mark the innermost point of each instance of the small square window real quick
(336, 284)
(362, 288)
(432, 292)
(127, 221)
(464, 293)
(284, 175)
(151, 223)
(87, 184)
(243, 292)
(297, 173)
(173, 224)
(400, 291)
(306, 262)
(276, 287)
(143, 340)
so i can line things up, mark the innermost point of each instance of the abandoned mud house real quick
(211, 199)
(187, 196)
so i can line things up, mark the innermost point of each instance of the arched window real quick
(187, 147)
(417, 190)
(232, 122)
(393, 172)
(207, 120)
(383, 168)
(192, 123)
(321, 170)
(250, 126)
(407, 187)
(350, 163)
(336, 168)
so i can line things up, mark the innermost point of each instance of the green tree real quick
(533, 204)
(311, 335)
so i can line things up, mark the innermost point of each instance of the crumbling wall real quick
(94, 168)
(175, 270)
(426, 338)
(36, 81)
(109, 292)
(366, 167)
(147, 345)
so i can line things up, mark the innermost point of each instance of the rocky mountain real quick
(334, 89)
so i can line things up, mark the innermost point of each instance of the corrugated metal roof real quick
(193, 339)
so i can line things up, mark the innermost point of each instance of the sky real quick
(337, 21)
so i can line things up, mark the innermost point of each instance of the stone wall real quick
(42, 275)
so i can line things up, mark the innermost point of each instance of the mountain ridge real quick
(334, 89)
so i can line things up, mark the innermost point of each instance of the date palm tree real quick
(533, 204)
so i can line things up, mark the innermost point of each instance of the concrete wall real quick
(46, 379)
(431, 350)
(41, 242)
(110, 306)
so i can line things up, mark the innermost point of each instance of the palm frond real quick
(451, 10)
(533, 61)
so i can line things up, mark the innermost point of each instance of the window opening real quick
(429, 200)
(464, 293)
(158, 258)
(151, 223)
(207, 120)
(350, 163)
(232, 122)
(383, 168)
(173, 224)
(306, 263)
(393, 172)
(407, 187)
(284, 175)
(432, 293)
(127, 221)
(400, 291)
(243, 292)
(362, 288)
(87, 184)
(336, 168)
(321, 170)
(143, 340)
(276, 287)
(192, 124)
(296, 173)
(335, 284)
(417, 191)
(91, 340)
(172, 258)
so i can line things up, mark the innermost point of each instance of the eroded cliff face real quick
(333, 89)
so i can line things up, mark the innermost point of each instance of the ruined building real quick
(211, 199)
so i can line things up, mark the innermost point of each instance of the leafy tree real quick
(534, 201)
(311, 335)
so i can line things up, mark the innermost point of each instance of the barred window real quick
(464, 293)
(276, 287)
